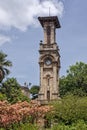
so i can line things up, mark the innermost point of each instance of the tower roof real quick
(49, 19)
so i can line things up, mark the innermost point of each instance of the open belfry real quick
(49, 60)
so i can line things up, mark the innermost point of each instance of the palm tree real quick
(4, 64)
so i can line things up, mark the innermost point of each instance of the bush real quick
(69, 110)
(21, 112)
(80, 125)
(26, 126)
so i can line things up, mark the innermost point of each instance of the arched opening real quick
(48, 95)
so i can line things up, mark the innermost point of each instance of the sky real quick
(21, 32)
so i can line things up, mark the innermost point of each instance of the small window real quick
(48, 95)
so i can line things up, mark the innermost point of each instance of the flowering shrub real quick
(20, 112)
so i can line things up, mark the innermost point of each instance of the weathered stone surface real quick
(49, 61)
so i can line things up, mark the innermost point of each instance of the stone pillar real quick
(41, 75)
(45, 35)
(52, 34)
(55, 81)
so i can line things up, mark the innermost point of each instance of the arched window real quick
(48, 95)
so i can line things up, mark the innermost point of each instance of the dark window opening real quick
(48, 95)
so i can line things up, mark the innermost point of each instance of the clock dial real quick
(48, 61)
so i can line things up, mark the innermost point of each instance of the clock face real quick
(48, 61)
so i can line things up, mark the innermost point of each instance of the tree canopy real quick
(12, 89)
(4, 64)
(34, 91)
(75, 81)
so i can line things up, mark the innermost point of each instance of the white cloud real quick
(4, 39)
(23, 13)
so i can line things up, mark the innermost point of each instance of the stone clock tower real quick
(49, 60)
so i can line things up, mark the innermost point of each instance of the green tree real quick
(12, 90)
(75, 81)
(4, 64)
(34, 91)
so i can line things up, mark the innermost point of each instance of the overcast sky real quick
(20, 33)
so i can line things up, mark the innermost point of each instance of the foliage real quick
(23, 126)
(12, 90)
(34, 91)
(4, 64)
(27, 126)
(69, 110)
(2, 97)
(80, 125)
(75, 81)
(21, 112)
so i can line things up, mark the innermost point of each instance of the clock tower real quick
(49, 60)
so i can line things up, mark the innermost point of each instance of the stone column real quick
(52, 34)
(55, 89)
(45, 35)
(41, 92)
